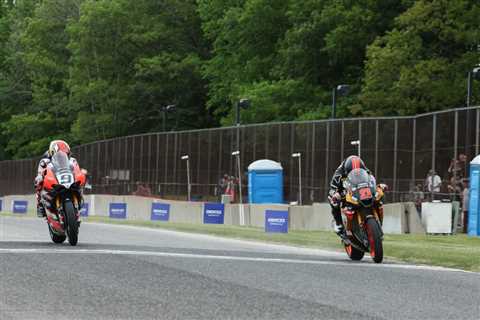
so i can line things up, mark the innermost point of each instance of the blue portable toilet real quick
(474, 197)
(265, 182)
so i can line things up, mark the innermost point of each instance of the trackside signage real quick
(276, 221)
(118, 210)
(84, 209)
(20, 206)
(213, 213)
(160, 211)
(1, 205)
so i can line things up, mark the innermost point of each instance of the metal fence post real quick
(477, 136)
(414, 147)
(395, 155)
(312, 169)
(434, 140)
(376, 147)
(342, 144)
(327, 146)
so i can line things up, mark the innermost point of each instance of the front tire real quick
(375, 240)
(72, 223)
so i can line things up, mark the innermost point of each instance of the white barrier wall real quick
(398, 217)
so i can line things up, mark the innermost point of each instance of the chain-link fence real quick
(399, 150)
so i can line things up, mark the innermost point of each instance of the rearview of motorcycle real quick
(62, 198)
(364, 215)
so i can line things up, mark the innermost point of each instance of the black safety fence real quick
(400, 151)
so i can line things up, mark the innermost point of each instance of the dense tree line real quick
(85, 70)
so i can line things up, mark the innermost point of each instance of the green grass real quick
(458, 251)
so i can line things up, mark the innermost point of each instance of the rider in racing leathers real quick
(336, 193)
(55, 146)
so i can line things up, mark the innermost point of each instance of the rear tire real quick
(354, 253)
(55, 237)
(375, 240)
(71, 223)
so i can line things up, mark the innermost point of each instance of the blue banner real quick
(276, 221)
(118, 210)
(84, 209)
(160, 211)
(20, 206)
(1, 205)
(474, 204)
(213, 213)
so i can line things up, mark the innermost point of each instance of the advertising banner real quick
(20, 206)
(276, 221)
(160, 211)
(213, 213)
(84, 209)
(118, 210)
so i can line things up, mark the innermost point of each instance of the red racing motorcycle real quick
(61, 196)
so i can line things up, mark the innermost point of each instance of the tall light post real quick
(473, 74)
(189, 186)
(236, 154)
(299, 156)
(341, 90)
(358, 144)
(169, 108)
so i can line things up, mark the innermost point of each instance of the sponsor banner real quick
(160, 211)
(213, 213)
(84, 210)
(1, 204)
(117, 210)
(20, 206)
(276, 221)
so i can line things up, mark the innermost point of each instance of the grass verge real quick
(458, 251)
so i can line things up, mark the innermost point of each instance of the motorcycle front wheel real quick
(375, 240)
(354, 253)
(72, 223)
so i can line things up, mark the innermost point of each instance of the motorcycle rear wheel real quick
(353, 253)
(375, 240)
(55, 237)
(72, 223)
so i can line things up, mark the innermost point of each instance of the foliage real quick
(93, 69)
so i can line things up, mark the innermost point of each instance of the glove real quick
(335, 198)
(383, 186)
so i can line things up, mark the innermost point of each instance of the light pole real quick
(473, 74)
(357, 143)
(189, 186)
(299, 156)
(236, 154)
(170, 107)
(341, 90)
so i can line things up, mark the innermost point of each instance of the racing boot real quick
(340, 231)
(41, 211)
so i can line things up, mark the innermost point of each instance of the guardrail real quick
(398, 217)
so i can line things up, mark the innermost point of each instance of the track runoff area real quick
(125, 272)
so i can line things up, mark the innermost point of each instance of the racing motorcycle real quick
(61, 196)
(364, 215)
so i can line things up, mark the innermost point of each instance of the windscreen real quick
(358, 178)
(60, 161)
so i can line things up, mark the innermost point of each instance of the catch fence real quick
(399, 150)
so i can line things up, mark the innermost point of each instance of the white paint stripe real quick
(227, 258)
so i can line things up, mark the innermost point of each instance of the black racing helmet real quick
(353, 162)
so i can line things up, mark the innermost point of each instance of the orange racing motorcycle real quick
(364, 215)
(61, 196)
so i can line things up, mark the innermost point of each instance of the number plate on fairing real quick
(365, 193)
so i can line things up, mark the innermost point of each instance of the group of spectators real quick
(453, 187)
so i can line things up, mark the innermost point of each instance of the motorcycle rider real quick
(336, 192)
(55, 146)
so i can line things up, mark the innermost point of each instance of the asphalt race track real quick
(121, 272)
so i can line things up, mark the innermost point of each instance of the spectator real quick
(418, 197)
(455, 188)
(142, 190)
(458, 167)
(465, 199)
(433, 183)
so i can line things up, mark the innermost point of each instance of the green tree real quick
(421, 65)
